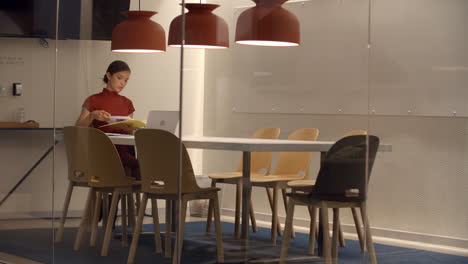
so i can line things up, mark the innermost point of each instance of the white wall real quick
(415, 81)
(26, 61)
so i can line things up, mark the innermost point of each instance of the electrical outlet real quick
(17, 89)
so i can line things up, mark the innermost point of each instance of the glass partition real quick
(28, 41)
(108, 87)
(246, 103)
(321, 84)
(361, 66)
(418, 105)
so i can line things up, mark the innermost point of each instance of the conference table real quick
(247, 146)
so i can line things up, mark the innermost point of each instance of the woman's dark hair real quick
(116, 66)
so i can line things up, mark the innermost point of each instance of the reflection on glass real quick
(349, 74)
(202, 29)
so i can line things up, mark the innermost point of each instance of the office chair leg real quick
(270, 200)
(287, 231)
(110, 222)
(285, 201)
(137, 201)
(84, 220)
(131, 210)
(326, 232)
(335, 237)
(219, 240)
(238, 209)
(357, 224)
(313, 229)
(89, 218)
(123, 204)
(94, 227)
(66, 204)
(252, 217)
(137, 231)
(210, 210)
(340, 235)
(105, 206)
(369, 242)
(274, 217)
(157, 230)
(167, 248)
(179, 243)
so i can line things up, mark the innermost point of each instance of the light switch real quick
(17, 89)
(3, 90)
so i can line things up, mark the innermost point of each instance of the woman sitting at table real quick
(98, 109)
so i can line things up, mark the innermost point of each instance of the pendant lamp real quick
(203, 29)
(268, 24)
(138, 34)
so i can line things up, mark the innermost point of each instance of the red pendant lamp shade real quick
(268, 24)
(203, 29)
(138, 34)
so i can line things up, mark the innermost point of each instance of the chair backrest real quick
(355, 133)
(296, 163)
(159, 156)
(342, 176)
(76, 145)
(261, 161)
(105, 166)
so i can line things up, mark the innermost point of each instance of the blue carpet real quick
(199, 247)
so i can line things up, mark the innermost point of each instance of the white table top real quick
(246, 144)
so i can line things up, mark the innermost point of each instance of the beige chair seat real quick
(225, 175)
(301, 183)
(274, 178)
(231, 175)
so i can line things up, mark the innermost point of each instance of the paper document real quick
(117, 121)
(114, 119)
(113, 134)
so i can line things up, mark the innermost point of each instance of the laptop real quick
(164, 120)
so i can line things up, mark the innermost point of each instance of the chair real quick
(159, 157)
(305, 186)
(77, 171)
(290, 166)
(260, 164)
(106, 175)
(341, 183)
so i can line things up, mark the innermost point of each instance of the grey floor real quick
(28, 223)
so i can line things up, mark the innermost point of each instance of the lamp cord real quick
(139, 5)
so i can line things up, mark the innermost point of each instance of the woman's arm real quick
(87, 117)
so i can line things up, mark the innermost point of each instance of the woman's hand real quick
(126, 129)
(100, 115)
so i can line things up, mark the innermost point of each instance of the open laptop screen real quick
(164, 120)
